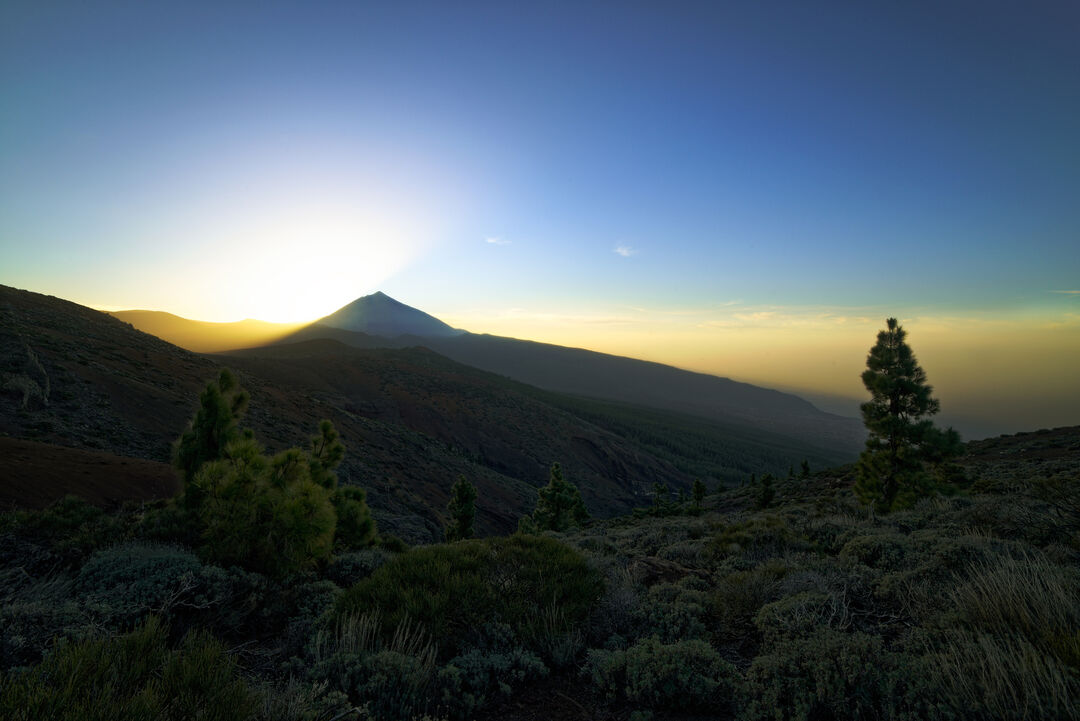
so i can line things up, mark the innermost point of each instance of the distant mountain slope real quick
(411, 419)
(205, 337)
(379, 314)
(627, 380)
(378, 321)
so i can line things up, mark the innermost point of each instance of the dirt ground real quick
(33, 475)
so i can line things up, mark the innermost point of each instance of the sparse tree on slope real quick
(698, 492)
(462, 510)
(274, 515)
(558, 504)
(891, 472)
(221, 406)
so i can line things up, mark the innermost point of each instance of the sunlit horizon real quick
(747, 190)
(816, 352)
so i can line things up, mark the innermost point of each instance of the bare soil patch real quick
(34, 475)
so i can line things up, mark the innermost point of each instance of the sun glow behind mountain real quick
(745, 189)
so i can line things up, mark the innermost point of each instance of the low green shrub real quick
(472, 680)
(354, 566)
(799, 616)
(682, 676)
(124, 583)
(35, 613)
(131, 677)
(739, 596)
(888, 551)
(673, 612)
(392, 677)
(73, 529)
(759, 538)
(297, 700)
(451, 590)
(827, 674)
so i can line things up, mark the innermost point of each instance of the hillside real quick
(960, 608)
(203, 336)
(378, 321)
(413, 421)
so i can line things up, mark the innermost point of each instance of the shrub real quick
(682, 676)
(134, 676)
(740, 595)
(392, 685)
(760, 537)
(673, 612)
(33, 614)
(72, 529)
(800, 615)
(391, 677)
(476, 678)
(354, 566)
(451, 590)
(888, 551)
(296, 700)
(122, 584)
(826, 674)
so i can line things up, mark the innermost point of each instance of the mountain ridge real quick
(412, 420)
(581, 372)
(379, 314)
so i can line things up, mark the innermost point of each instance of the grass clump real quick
(133, 677)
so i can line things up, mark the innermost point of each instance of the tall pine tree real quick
(892, 471)
(462, 510)
(558, 504)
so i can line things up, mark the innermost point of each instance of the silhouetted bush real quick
(122, 584)
(887, 551)
(757, 538)
(453, 589)
(825, 674)
(131, 677)
(472, 680)
(72, 529)
(685, 675)
(739, 596)
(354, 566)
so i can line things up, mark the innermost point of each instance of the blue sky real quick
(798, 160)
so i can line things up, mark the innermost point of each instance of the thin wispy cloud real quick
(496, 241)
(625, 251)
(1066, 292)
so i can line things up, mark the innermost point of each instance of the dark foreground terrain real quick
(802, 606)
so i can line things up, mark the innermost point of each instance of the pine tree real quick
(661, 498)
(558, 504)
(462, 510)
(891, 472)
(805, 468)
(765, 492)
(215, 425)
(698, 491)
(274, 515)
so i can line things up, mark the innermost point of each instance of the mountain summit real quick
(379, 314)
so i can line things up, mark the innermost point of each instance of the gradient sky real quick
(747, 188)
